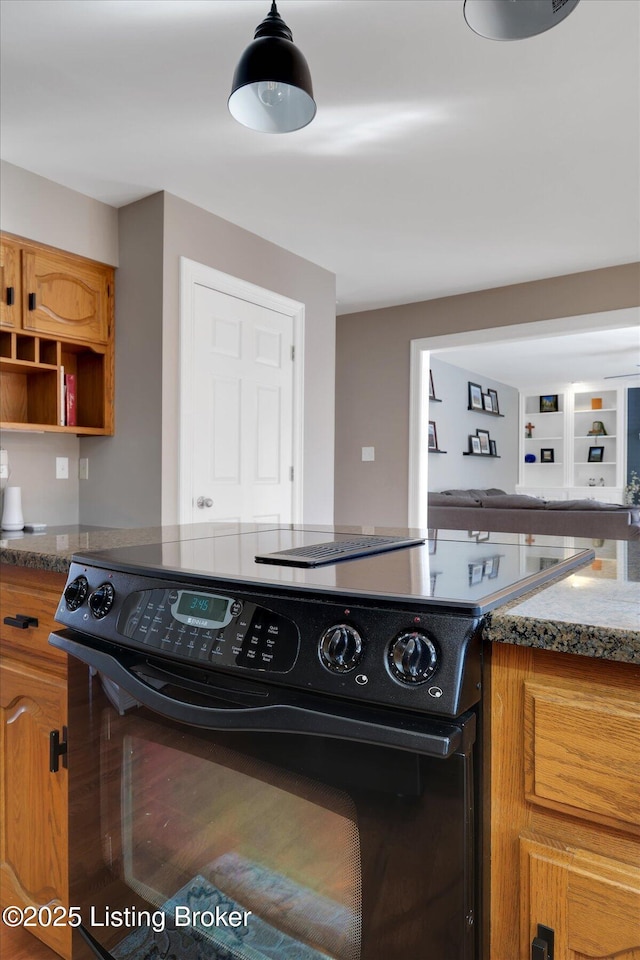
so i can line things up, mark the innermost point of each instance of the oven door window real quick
(217, 845)
(239, 858)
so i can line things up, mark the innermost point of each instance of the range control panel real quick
(210, 628)
(357, 648)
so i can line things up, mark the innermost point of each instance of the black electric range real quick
(398, 627)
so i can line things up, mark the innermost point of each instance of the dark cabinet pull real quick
(10, 296)
(57, 748)
(21, 621)
(542, 944)
(32, 301)
(539, 949)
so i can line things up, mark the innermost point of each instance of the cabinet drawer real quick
(582, 752)
(31, 644)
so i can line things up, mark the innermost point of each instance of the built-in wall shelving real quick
(585, 434)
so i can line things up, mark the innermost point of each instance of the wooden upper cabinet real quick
(10, 288)
(56, 340)
(64, 297)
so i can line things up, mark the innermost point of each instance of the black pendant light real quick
(271, 89)
(515, 19)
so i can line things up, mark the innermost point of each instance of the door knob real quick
(203, 502)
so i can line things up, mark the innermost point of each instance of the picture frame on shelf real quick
(494, 400)
(487, 403)
(432, 392)
(433, 436)
(474, 444)
(549, 403)
(432, 541)
(596, 455)
(482, 535)
(495, 567)
(547, 455)
(485, 445)
(475, 396)
(493, 449)
(475, 573)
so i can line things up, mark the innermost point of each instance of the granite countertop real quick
(54, 549)
(581, 614)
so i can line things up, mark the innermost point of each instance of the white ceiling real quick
(545, 361)
(438, 162)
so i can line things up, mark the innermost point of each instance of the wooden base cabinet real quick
(33, 797)
(563, 736)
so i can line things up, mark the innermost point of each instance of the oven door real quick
(225, 819)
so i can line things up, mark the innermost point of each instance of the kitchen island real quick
(582, 614)
(562, 742)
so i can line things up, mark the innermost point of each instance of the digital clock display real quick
(203, 607)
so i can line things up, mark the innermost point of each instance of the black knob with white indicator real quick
(412, 657)
(76, 593)
(340, 648)
(101, 600)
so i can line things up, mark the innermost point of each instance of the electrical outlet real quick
(4, 464)
(62, 468)
(83, 468)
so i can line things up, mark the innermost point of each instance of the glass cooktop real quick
(473, 572)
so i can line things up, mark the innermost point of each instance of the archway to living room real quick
(562, 359)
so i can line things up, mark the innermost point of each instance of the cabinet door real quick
(34, 837)
(64, 297)
(10, 290)
(591, 903)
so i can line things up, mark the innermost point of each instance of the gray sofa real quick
(495, 510)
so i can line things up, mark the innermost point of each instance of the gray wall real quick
(372, 373)
(454, 423)
(125, 482)
(133, 476)
(38, 209)
(32, 465)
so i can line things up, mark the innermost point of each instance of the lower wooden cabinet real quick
(34, 799)
(563, 806)
(592, 903)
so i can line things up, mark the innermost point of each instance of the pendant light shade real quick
(271, 89)
(515, 19)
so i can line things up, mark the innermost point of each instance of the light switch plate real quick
(83, 468)
(62, 468)
(368, 453)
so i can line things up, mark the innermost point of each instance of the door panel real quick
(242, 396)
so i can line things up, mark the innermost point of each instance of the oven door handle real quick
(424, 735)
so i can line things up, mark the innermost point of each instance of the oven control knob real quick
(101, 600)
(340, 648)
(412, 657)
(76, 593)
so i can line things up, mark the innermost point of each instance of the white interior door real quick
(238, 396)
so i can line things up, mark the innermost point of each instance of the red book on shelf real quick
(70, 382)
